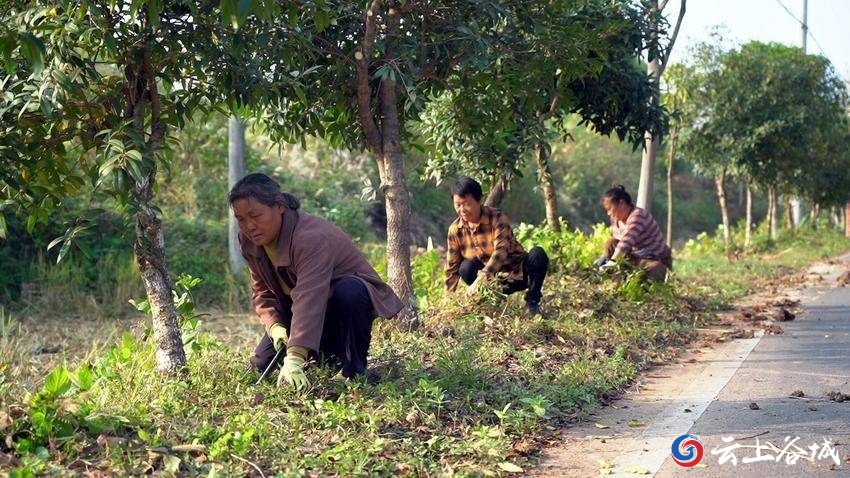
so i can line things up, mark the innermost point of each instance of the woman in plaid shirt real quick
(481, 245)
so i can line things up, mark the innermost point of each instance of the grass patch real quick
(720, 274)
(473, 391)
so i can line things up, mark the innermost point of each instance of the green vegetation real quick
(472, 392)
(735, 273)
(112, 144)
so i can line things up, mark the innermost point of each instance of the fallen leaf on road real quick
(742, 334)
(785, 315)
(637, 470)
(837, 396)
(636, 424)
(599, 425)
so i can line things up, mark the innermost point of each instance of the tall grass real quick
(13, 353)
(74, 288)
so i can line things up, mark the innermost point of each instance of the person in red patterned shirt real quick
(636, 237)
(482, 247)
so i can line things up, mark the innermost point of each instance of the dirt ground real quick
(39, 345)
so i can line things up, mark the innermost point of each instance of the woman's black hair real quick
(467, 187)
(264, 189)
(618, 194)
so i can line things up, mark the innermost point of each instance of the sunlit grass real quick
(473, 391)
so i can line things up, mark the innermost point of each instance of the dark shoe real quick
(532, 309)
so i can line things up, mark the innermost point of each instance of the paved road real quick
(709, 394)
(813, 355)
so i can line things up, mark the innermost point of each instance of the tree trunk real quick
(235, 172)
(654, 69)
(657, 58)
(149, 246)
(847, 219)
(789, 214)
(771, 211)
(674, 139)
(397, 200)
(544, 177)
(814, 216)
(720, 181)
(150, 255)
(749, 232)
(497, 191)
(647, 166)
(385, 144)
(795, 212)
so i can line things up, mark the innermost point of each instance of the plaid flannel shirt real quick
(491, 241)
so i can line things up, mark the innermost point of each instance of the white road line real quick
(649, 450)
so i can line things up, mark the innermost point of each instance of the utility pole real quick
(235, 172)
(804, 30)
(796, 210)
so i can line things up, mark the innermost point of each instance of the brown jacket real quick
(312, 254)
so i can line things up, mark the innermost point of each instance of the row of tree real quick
(765, 114)
(92, 90)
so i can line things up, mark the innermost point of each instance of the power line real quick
(807, 27)
(789, 12)
(808, 32)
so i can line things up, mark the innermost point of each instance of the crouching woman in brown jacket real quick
(314, 291)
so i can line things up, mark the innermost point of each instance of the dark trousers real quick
(347, 331)
(534, 268)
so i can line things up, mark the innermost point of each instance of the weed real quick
(454, 397)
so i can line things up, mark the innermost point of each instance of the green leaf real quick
(322, 20)
(154, 9)
(228, 12)
(66, 246)
(63, 80)
(243, 9)
(32, 48)
(84, 377)
(57, 382)
(56, 241)
(301, 95)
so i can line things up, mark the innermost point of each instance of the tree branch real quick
(329, 48)
(364, 91)
(553, 106)
(157, 128)
(675, 34)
